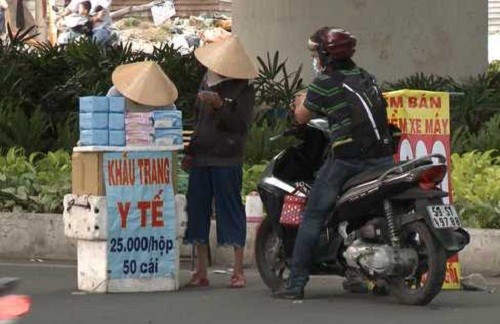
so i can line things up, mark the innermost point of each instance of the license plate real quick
(444, 216)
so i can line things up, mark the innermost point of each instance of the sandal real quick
(197, 282)
(238, 281)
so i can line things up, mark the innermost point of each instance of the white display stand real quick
(86, 219)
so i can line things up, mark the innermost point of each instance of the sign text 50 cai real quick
(141, 215)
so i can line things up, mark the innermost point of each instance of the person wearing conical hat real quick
(144, 85)
(214, 157)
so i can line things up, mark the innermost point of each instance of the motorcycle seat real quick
(363, 177)
(374, 173)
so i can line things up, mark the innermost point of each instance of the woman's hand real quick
(210, 98)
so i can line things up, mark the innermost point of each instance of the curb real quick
(41, 236)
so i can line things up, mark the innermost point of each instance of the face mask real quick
(316, 67)
(214, 79)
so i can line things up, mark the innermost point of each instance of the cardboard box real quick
(87, 174)
(166, 137)
(167, 119)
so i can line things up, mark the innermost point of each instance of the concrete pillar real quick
(396, 38)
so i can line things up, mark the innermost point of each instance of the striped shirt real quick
(325, 96)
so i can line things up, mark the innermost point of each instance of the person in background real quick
(100, 18)
(3, 17)
(214, 156)
(101, 24)
(84, 11)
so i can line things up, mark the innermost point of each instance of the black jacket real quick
(219, 136)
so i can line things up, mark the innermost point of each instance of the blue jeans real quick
(101, 36)
(222, 185)
(324, 194)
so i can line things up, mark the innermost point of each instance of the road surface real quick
(52, 287)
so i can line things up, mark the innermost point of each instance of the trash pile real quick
(189, 34)
(185, 34)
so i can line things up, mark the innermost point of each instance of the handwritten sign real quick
(141, 214)
(424, 119)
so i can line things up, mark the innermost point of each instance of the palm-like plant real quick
(275, 85)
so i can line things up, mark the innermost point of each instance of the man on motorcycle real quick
(353, 104)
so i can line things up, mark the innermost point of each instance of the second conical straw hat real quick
(145, 83)
(227, 58)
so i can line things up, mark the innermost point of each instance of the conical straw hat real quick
(145, 83)
(227, 58)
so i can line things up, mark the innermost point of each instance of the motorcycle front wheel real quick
(270, 256)
(427, 280)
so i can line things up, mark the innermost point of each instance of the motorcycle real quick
(12, 307)
(389, 225)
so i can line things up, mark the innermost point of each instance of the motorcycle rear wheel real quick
(270, 256)
(421, 288)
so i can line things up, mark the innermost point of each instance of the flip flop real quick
(197, 282)
(237, 281)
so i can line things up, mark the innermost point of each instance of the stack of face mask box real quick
(139, 129)
(157, 128)
(102, 121)
(167, 127)
(94, 118)
(116, 121)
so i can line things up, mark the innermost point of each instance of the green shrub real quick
(39, 87)
(34, 183)
(487, 138)
(251, 177)
(421, 81)
(259, 147)
(275, 86)
(476, 188)
(477, 102)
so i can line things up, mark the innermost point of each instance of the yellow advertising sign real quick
(424, 119)
(419, 112)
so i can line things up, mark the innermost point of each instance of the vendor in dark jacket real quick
(214, 157)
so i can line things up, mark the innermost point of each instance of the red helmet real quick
(333, 43)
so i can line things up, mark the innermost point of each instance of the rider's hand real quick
(299, 99)
(299, 114)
